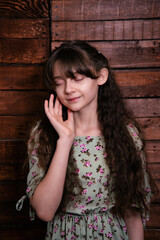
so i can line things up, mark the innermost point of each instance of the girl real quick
(88, 176)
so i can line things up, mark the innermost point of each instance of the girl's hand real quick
(65, 129)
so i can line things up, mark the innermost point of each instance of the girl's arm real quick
(48, 194)
(134, 224)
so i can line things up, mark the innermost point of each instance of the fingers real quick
(51, 108)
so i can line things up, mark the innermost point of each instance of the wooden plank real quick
(24, 28)
(24, 50)
(14, 127)
(147, 107)
(128, 54)
(155, 170)
(28, 231)
(106, 30)
(21, 102)
(13, 152)
(104, 10)
(154, 221)
(151, 128)
(153, 151)
(24, 9)
(21, 77)
(12, 191)
(152, 234)
(139, 82)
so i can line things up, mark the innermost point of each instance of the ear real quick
(103, 76)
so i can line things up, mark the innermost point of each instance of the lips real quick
(74, 99)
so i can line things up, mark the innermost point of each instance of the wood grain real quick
(21, 102)
(24, 9)
(21, 77)
(24, 28)
(28, 231)
(128, 54)
(104, 10)
(24, 50)
(15, 127)
(106, 30)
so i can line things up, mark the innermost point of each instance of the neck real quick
(86, 123)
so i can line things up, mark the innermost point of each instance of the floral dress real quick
(89, 189)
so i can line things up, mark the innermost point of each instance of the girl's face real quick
(76, 94)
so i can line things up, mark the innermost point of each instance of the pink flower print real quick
(82, 145)
(105, 154)
(34, 152)
(84, 150)
(55, 229)
(28, 189)
(101, 170)
(88, 174)
(89, 199)
(87, 164)
(147, 189)
(33, 161)
(77, 170)
(105, 184)
(130, 125)
(76, 219)
(109, 234)
(75, 205)
(110, 220)
(75, 143)
(125, 229)
(99, 180)
(99, 195)
(90, 183)
(96, 159)
(73, 237)
(104, 209)
(106, 176)
(95, 227)
(95, 217)
(134, 134)
(88, 137)
(73, 228)
(81, 206)
(62, 233)
(84, 191)
(102, 231)
(98, 147)
(90, 226)
(34, 174)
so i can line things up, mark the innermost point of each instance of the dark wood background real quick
(127, 32)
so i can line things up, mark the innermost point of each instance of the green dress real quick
(89, 190)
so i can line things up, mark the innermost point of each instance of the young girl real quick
(88, 176)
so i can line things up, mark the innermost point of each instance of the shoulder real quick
(133, 131)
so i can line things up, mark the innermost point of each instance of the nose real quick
(69, 86)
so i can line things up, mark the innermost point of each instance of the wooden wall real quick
(24, 46)
(128, 33)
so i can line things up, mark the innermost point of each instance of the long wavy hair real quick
(113, 117)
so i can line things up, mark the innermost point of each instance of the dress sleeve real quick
(139, 147)
(36, 172)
